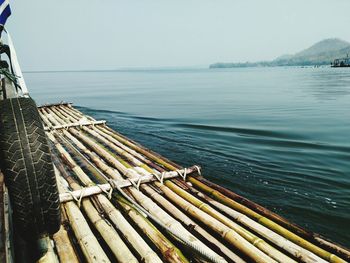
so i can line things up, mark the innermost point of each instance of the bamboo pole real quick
(293, 249)
(137, 148)
(161, 215)
(45, 120)
(168, 204)
(129, 233)
(103, 188)
(100, 151)
(72, 115)
(68, 119)
(78, 113)
(174, 211)
(336, 248)
(129, 150)
(73, 166)
(86, 239)
(173, 254)
(267, 222)
(261, 244)
(232, 237)
(257, 208)
(256, 241)
(121, 252)
(107, 231)
(64, 247)
(113, 175)
(51, 118)
(53, 114)
(119, 150)
(251, 238)
(170, 222)
(310, 236)
(226, 233)
(169, 165)
(167, 248)
(88, 243)
(220, 197)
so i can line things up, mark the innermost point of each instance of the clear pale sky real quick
(110, 34)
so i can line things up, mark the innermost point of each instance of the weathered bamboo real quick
(162, 243)
(112, 238)
(123, 255)
(68, 112)
(165, 218)
(64, 247)
(264, 217)
(112, 174)
(267, 222)
(261, 244)
(100, 151)
(226, 233)
(129, 150)
(336, 248)
(231, 237)
(247, 235)
(137, 148)
(174, 211)
(217, 195)
(76, 112)
(293, 249)
(68, 119)
(46, 120)
(156, 235)
(55, 116)
(168, 204)
(280, 241)
(102, 188)
(256, 241)
(86, 239)
(171, 223)
(171, 253)
(119, 150)
(51, 118)
(129, 233)
(257, 208)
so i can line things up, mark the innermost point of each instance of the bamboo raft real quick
(124, 203)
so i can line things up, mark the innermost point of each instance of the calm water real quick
(279, 136)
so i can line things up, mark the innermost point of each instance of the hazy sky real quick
(109, 34)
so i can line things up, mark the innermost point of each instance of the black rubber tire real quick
(27, 165)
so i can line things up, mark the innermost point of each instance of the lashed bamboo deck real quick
(157, 211)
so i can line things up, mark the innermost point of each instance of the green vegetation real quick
(321, 53)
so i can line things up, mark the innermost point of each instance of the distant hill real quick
(321, 53)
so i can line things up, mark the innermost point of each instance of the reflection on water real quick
(279, 136)
(329, 83)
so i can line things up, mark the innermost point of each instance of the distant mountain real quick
(321, 53)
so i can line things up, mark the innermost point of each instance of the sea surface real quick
(279, 136)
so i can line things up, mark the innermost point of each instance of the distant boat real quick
(341, 62)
